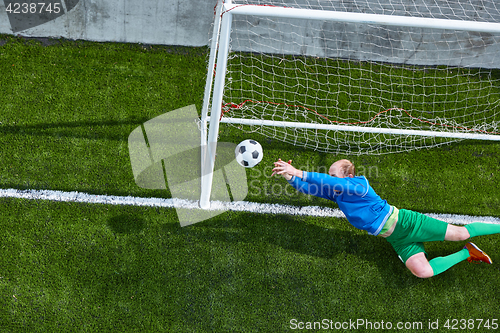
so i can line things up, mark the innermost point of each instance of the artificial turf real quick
(65, 115)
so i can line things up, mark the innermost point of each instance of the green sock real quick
(441, 264)
(481, 229)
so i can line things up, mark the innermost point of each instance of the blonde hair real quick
(347, 167)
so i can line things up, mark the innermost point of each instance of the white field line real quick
(240, 206)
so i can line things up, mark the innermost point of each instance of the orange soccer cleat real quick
(476, 254)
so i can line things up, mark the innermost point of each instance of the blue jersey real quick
(363, 207)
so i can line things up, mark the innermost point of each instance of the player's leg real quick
(456, 233)
(429, 229)
(413, 256)
(411, 230)
(441, 264)
(422, 228)
(415, 259)
(423, 268)
(425, 229)
(419, 266)
(482, 229)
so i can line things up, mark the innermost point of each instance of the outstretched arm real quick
(288, 172)
(286, 169)
(318, 184)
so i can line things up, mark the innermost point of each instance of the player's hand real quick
(284, 168)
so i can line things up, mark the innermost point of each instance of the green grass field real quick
(66, 111)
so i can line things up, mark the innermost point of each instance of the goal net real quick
(359, 76)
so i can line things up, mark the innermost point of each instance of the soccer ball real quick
(249, 153)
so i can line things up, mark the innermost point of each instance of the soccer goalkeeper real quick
(404, 229)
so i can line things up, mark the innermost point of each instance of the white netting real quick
(365, 75)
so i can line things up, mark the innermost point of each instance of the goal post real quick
(388, 20)
(353, 81)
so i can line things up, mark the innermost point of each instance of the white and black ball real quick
(249, 153)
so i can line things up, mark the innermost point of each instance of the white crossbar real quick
(391, 20)
(348, 128)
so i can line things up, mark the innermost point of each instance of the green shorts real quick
(412, 229)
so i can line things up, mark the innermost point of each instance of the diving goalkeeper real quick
(405, 230)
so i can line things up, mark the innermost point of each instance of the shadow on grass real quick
(195, 276)
(337, 243)
(131, 223)
(102, 130)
